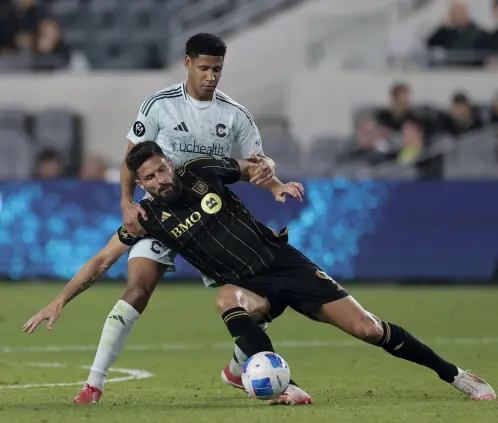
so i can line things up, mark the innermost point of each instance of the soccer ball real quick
(265, 375)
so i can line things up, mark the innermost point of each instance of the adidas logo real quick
(117, 317)
(182, 127)
(165, 216)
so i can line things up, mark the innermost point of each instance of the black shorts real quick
(293, 281)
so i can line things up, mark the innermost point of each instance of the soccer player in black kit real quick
(194, 213)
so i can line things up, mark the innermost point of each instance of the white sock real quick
(239, 358)
(115, 333)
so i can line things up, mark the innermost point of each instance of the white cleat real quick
(294, 395)
(472, 386)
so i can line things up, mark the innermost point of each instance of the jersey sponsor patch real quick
(138, 129)
(221, 130)
(211, 203)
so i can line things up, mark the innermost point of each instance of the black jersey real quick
(209, 226)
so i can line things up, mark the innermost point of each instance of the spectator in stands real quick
(416, 151)
(462, 118)
(412, 135)
(49, 165)
(93, 168)
(393, 118)
(37, 35)
(400, 110)
(369, 145)
(459, 41)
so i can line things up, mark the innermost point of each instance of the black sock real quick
(249, 337)
(400, 343)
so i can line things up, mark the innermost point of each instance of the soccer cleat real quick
(294, 395)
(88, 395)
(230, 379)
(475, 388)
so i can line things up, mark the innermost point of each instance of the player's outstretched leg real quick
(240, 309)
(348, 315)
(143, 276)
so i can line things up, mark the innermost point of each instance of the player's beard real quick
(172, 193)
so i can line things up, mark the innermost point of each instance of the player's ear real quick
(137, 181)
(188, 62)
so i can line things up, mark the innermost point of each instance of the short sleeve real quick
(226, 170)
(247, 134)
(146, 125)
(126, 238)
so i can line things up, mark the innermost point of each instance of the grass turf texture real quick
(187, 346)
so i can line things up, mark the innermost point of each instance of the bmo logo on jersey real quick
(221, 130)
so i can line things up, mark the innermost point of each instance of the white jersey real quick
(186, 128)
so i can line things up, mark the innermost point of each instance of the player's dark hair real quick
(140, 153)
(205, 43)
(398, 88)
(460, 98)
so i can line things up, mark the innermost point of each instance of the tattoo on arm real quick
(84, 286)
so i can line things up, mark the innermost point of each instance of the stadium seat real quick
(469, 162)
(60, 130)
(16, 119)
(322, 157)
(71, 14)
(106, 14)
(287, 153)
(109, 50)
(149, 51)
(146, 15)
(15, 154)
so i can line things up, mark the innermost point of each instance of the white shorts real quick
(152, 249)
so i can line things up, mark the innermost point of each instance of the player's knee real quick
(228, 297)
(368, 328)
(138, 293)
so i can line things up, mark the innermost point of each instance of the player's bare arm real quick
(265, 172)
(131, 210)
(93, 269)
(250, 169)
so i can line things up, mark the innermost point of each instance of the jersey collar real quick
(185, 95)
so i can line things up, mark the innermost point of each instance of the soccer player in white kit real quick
(187, 120)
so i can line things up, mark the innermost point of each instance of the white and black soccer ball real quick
(265, 375)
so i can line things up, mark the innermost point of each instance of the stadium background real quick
(407, 199)
(311, 81)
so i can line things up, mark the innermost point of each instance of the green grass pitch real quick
(183, 343)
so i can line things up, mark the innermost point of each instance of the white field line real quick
(224, 345)
(130, 374)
